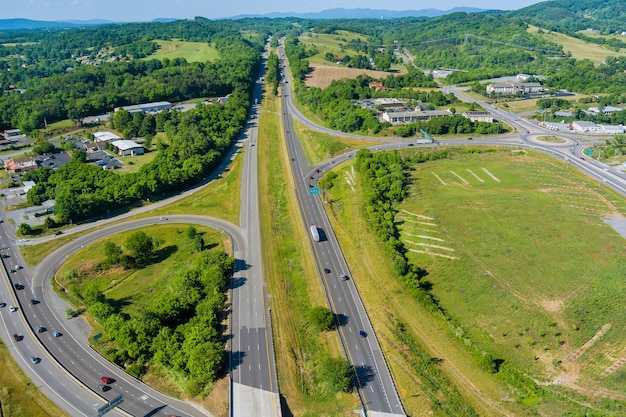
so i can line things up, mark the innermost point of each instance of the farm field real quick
(517, 251)
(322, 75)
(190, 51)
(579, 48)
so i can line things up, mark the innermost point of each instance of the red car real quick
(17, 337)
(107, 380)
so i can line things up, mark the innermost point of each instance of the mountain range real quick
(338, 13)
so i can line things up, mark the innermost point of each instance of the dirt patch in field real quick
(322, 75)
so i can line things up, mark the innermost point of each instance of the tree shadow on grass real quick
(164, 253)
(120, 303)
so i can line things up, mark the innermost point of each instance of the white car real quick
(13, 309)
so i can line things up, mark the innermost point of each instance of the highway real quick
(374, 383)
(70, 371)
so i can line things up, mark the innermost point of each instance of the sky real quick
(146, 10)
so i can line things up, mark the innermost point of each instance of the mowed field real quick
(579, 48)
(517, 251)
(190, 51)
(324, 72)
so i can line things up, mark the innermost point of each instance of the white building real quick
(147, 107)
(403, 117)
(105, 137)
(515, 88)
(479, 116)
(612, 130)
(128, 147)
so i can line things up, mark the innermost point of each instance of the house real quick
(105, 137)
(147, 107)
(9, 133)
(20, 164)
(378, 86)
(128, 148)
(91, 147)
(479, 116)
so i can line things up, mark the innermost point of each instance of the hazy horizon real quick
(144, 10)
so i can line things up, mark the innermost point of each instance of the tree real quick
(191, 232)
(112, 252)
(141, 247)
(24, 229)
(198, 243)
(321, 318)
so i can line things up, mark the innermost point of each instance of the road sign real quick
(314, 190)
(110, 405)
(589, 152)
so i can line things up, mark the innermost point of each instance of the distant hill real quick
(569, 16)
(340, 13)
(27, 24)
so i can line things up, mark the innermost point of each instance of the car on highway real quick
(11, 270)
(17, 337)
(56, 334)
(103, 388)
(107, 380)
(34, 301)
(58, 232)
(41, 329)
(35, 360)
(362, 333)
(163, 219)
(18, 286)
(582, 158)
(326, 270)
(18, 267)
(344, 277)
(2, 305)
(13, 309)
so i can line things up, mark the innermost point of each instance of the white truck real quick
(315, 233)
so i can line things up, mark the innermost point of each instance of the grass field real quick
(19, 397)
(517, 253)
(190, 51)
(579, 48)
(293, 282)
(321, 75)
(336, 43)
(319, 147)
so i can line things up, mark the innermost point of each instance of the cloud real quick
(39, 3)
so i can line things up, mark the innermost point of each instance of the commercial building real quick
(147, 107)
(128, 148)
(478, 116)
(17, 165)
(105, 137)
(515, 88)
(403, 117)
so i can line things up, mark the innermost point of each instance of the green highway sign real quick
(314, 190)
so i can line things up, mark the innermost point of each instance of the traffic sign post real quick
(110, 405)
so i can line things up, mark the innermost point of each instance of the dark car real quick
(34, 301)
(344, 277)
(470, 138)
(19, 286)
(326, 270)
(103, 387)
(56, 334)
(58, 232)
(35, 359)
(362, 333)
(2, 305)
(41, 329)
